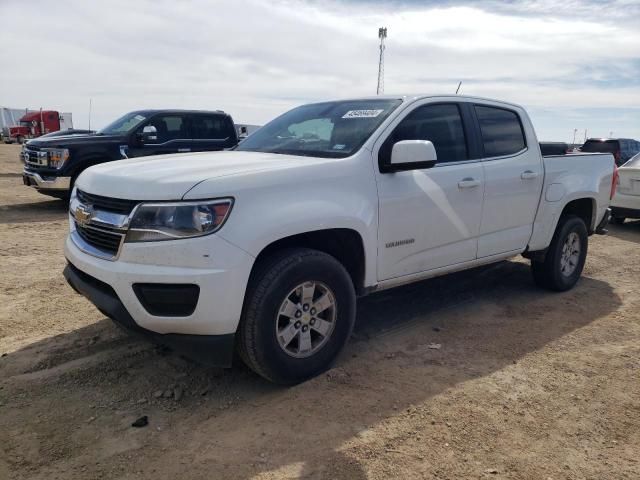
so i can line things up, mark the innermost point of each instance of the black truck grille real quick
(101, 238)
(116, 205)
(35, 157)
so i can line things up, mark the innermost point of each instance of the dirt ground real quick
(525, 384)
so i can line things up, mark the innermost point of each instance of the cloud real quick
(256, 59)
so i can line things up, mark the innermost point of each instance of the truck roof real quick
(177, 110)
(417, 96)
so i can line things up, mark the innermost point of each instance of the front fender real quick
(289, 203)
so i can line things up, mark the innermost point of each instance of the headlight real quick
(171, 221)
(57, 157)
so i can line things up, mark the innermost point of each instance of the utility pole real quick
(382, 34)
(575, 132)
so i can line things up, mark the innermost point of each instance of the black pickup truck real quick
(53, 164)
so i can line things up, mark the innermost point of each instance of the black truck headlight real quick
(58, 157)
(171, 221)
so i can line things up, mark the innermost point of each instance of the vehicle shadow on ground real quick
(220, 424)
(42, 211)
(629, 231)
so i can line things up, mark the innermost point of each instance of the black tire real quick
(548, 274)
(619, 220)
(271, 283)
(20, 139)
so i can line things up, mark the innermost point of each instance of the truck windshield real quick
(328, 130)
(123, 124)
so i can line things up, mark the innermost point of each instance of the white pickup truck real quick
(265, 248)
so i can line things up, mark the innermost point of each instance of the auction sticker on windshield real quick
(362, 113)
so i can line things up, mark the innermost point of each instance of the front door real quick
(172, 136)
(429, 218)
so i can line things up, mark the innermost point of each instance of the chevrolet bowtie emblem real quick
(83, 215)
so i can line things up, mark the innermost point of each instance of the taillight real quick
(614, 181)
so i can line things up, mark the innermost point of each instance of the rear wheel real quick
(565, 257)
(298, 315)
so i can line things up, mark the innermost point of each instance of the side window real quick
(441, 124)
(210, 127)
(169, 127)
(501, 130)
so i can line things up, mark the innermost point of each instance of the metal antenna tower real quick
(382, 34)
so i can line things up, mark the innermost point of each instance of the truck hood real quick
(170, 177)
(64, 141)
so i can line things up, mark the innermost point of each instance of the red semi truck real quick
(34, 124)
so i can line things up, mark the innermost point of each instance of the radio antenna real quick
(382, 34)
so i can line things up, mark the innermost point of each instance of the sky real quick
(573, 64)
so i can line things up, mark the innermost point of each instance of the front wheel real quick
(565, 257)
(298, 315)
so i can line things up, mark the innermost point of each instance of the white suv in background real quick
(626, 202)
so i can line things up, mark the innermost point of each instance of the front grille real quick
(34, 156)
(116, 205)
(101, 238)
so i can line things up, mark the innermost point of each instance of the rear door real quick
(513, 175)
(172, 136)
(429, 218)
(211, 132)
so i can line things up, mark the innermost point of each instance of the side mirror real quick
(412, 155)
(149, 134)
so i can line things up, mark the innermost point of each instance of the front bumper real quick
(34, 179)
(219, 270)
(213, 350)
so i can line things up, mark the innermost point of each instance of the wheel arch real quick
(585, 208)
(344, 244)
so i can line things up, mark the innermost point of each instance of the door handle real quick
(468, 183)
(528, 175)
(180, 150)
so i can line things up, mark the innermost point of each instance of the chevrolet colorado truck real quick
(52, 164)
(265, 248)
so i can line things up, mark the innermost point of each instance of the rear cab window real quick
(601, 146)
(211, 127)
(501, 130)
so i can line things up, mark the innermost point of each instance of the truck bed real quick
(587, 174)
